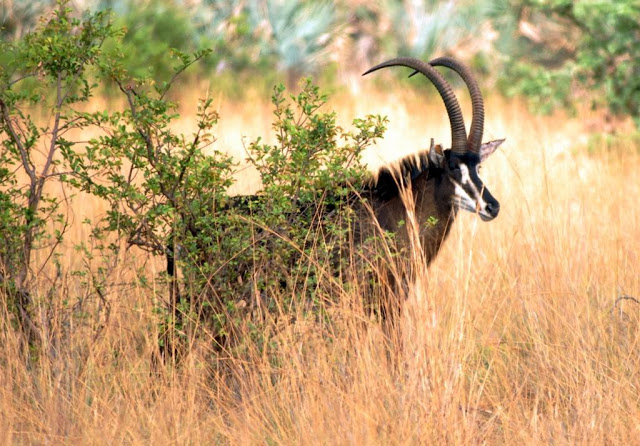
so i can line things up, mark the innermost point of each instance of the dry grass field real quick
(517, 334)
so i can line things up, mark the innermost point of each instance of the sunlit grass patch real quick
(516, 334)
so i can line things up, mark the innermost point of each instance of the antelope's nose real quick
(493, 208)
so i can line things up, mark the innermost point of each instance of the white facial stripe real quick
(461, 193)
(464, 170)
(464, 199)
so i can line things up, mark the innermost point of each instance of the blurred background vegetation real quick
(554, 53)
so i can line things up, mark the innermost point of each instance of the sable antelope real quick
(441, 181)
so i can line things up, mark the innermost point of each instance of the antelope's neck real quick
(435, 213)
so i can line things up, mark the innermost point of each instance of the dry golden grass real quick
(515, 335)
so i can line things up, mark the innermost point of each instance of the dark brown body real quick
(423, 208)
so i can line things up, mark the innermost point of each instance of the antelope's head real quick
(465, 188)
(457, 168)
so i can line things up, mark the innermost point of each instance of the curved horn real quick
(458, 132)
(477, 103)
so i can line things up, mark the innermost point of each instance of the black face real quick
(469, 192)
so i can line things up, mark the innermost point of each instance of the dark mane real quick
(384, 185)
(391, 178)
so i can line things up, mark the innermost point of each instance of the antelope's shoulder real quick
(391, 178)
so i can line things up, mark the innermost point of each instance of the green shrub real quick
(167, 192)
(576, 48)
(228, 255)
(48, 67)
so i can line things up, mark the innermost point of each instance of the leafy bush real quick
(167, 192)
(51, 62)
(545, 89)
(572, 47)
(172, 201)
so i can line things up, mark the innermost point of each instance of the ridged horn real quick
(458, 132)
(477, 103)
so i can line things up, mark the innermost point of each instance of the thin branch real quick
(68, 217)
(54, 133)
(13, 82)
(30, 170)
(176, 74)
(187, 159)
(70, 124)
(153, 247)
(129, 92)
(59, 174)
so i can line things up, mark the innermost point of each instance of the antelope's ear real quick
(488, 148)
(436, 155)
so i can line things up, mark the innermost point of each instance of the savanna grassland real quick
(525, 330)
